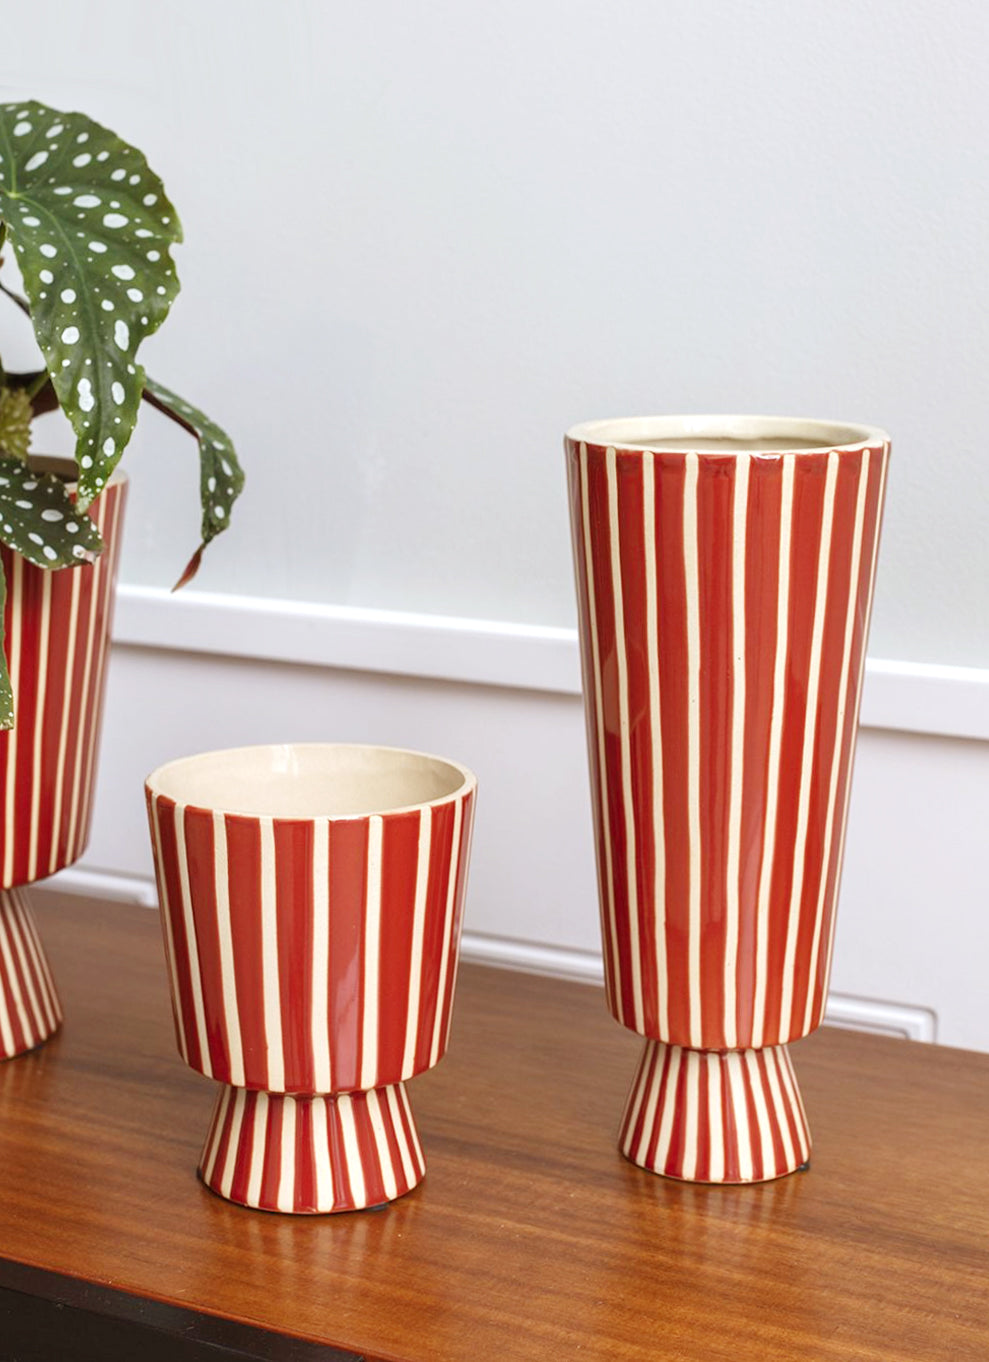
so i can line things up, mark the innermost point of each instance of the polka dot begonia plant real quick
(92, 229)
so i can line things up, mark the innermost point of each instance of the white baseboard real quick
(885, 1019)
(557, 962)
(104, 884)
(906, 696)
(586, 967)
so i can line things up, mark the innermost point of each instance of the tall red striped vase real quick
(56, 637)
(311, 898)
(725, 570)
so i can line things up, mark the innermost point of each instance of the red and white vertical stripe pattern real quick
(315, 956)
(304, 1154)
(57, 635)
(710, 1117)
(312, 955)
(724, 602)
(30, 1011)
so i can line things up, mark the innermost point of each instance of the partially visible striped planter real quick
(725, 569)
(312, 899)
(30, 1010)
(57, 635)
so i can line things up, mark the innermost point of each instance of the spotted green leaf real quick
(40, 520)
(92, 227)
(221, 478)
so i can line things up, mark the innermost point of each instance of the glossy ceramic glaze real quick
(57, 634)
(56, 637)
(312, 899)
(30, 1010)
(358, 1149)
(725, 568)
(709, 1116)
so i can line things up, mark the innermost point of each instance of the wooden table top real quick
(531, 1238)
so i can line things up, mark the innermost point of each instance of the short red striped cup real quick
(725, 570)
(312, 897)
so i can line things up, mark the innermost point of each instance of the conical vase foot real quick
(30, 1011)
(302, 1154)
(705, 1116)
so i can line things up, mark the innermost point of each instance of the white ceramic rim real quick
(157, 782)
(641, 432)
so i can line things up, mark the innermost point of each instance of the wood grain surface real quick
(531, 1238)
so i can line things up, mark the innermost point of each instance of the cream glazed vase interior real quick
(312, 898)
(724, 569)
(309, 780)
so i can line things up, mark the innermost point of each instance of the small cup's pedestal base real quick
(30, 1011)
(706, 1116)
(284, 1152)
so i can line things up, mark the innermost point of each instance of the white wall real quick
(422, 239)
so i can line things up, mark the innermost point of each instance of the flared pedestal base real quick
(279, 1152)
(705, 1116)
(30, 1011)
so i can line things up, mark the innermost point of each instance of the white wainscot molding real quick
(910, 697)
